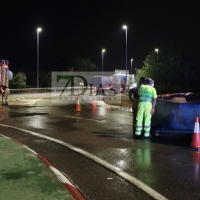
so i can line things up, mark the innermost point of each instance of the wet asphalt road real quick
(166, 163)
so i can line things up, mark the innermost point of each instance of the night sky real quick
(72, 28)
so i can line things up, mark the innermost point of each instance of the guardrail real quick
(43, 90)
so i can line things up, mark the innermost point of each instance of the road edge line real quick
(142, 186)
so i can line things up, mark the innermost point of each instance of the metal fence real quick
(42, 90)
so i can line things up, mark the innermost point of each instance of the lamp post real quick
(38, 31)
(103, 51)
(156, 50)
(125, 27)
(131, 68)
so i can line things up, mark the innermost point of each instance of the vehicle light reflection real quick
(36, 122)
(196, 159)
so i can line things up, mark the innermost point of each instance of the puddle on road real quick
(14, 115)
(111, 135)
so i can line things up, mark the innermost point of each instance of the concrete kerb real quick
(73, 190)
(77, 195)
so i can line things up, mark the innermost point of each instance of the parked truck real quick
(99, 83)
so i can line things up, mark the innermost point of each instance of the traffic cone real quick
(94, 106)
(196, 135)
(78, 108)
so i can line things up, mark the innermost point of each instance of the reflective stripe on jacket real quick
(147, 93)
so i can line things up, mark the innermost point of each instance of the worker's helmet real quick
(150, 82)
(142, 81)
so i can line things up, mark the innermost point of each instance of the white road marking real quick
(5, 136)
(150, 191)
(34, 101)
(30, 149)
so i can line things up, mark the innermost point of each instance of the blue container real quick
(176, 113)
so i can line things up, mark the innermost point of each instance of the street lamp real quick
(156, 50)
(103, 51)
(38, 31)
(125, 27)
(131, 68)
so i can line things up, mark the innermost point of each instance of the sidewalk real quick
(26, 177)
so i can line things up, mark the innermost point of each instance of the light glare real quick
(39, 29)
(124, 27)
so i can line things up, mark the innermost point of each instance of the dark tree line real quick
(27, 78)
(171, 72)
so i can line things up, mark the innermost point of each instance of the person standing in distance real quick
(5, 94)
(134, 98)
(146, 108)
(2, 93)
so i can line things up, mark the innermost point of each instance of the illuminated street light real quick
(156, 50)
(131, 68)
(103, 51)
(125, 27)
(38, 31)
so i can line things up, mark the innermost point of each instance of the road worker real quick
(146, 107)
(134, 98)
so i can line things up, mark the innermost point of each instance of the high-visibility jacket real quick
(146, 95)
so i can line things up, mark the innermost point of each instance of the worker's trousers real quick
(143, 118)
(134, 110)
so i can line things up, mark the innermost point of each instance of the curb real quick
(71, 188)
